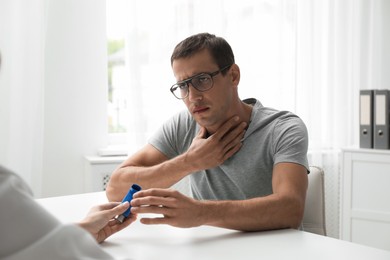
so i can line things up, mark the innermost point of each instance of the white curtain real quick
(21, 88)
(308, 56)
(341, 48)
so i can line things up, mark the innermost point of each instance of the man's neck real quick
(243, 111)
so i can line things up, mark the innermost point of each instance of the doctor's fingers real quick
(102, 207)
(109, 213)
(106, 206)
(113, 223)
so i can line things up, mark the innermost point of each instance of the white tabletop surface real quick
(140, 241)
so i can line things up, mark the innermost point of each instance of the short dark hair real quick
(219, 49)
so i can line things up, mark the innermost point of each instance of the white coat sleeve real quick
(28, 231)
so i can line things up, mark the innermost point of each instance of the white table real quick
(165, 242)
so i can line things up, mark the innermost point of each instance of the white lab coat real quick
(28, 231)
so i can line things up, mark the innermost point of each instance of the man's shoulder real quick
(271, 119)
(268, 114)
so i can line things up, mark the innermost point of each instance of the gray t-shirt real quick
(272, 137)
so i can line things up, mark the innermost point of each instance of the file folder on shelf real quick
(381, 119)
(366, 118)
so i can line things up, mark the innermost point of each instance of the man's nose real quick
(193, 93)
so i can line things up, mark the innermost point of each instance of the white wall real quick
(53, 92)
(75, 91)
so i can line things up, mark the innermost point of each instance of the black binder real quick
(366, 118)
(381, 119)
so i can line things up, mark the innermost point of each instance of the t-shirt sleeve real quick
(175, 135)
(163, 139)
(291, 141)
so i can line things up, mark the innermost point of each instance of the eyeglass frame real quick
(189, 81)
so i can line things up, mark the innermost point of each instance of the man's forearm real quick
(266, 213)
(162, 175)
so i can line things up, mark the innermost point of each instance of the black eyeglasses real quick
(201, 82)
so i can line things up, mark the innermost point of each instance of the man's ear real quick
(235, 74)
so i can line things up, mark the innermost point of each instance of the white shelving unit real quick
(365, 197)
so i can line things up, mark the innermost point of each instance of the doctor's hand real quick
(175, 209)
(100, 220)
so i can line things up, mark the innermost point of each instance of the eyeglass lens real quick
(202, 82)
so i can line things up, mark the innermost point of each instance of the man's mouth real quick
(199, 110)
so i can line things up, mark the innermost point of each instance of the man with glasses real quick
(247, 164)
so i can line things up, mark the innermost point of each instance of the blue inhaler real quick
(134, 188)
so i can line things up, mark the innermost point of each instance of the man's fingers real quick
(154, 221)
(156, 192)
(202, 133)
(232, 151)
(155, 201)
(150, 210)
(233, 141)
(235, 135)
(231, 138)
(226, 127)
